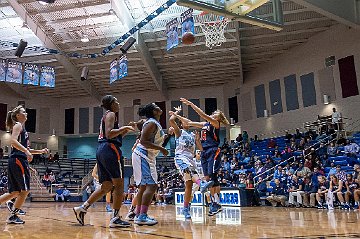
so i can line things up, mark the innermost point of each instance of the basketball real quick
(188, 38)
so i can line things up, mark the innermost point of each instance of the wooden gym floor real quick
(56, 220)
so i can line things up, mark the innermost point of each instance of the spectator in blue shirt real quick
(310, 190)
(278, 173)
(277, 194)
(227, 165)
(332, 170)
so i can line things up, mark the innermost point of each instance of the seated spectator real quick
(278, 174)
(293, 146)
(46, 180)
(332, 170)
(245, 137)
(242, 170)
(269, 163)
(302, 171)
(234, 164)
(332, 150)
(341, 141)
(287, 136)
(59, 193)
(323, 188)
(226, 164)
(56, 157)
(297, 134)
(271, 143)
(239, 138)
(336, 187)
(277, 194)
(341, 175)
(351, 149)
(310, 190)
(356, 174)
(261, 187)
(352, 191)
(296, 190)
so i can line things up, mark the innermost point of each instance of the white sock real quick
(86, 205)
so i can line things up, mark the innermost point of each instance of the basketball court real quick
(218, 53)
(57, 220)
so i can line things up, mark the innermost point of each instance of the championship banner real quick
(47, 78)
(123, 67)
(3, 67)
(31, 74)
(113, 71)
(187, 22)
(172, 34)
(14, 72)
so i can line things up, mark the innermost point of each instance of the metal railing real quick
(35, 179)
(355, 124)
(86, 180)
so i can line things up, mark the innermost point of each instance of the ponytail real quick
(222, 117)
(11, 117)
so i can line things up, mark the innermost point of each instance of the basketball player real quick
(110, 163)
(336, 187)
(210, 156)
(184, 154)
(144, 161)
(352, 190)
(18, 164)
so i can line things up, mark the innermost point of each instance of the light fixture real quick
(84, 38)
(45, 2)
(326, 99)
(266, 113)
(24, 26)
(8, 131)
(53, 132)
(232, 121)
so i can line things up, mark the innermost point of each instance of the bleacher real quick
(69, 172)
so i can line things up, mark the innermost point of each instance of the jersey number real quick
(203, 135)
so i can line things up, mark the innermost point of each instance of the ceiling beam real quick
(346, 12)
(69, 66)
(239, 53)
(124, 14)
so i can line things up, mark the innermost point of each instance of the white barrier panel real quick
(228, 216)
(227, 198)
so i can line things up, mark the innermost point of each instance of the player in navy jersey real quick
(109, 162)
(323, 189)
(352, 190)
(210, 156)
(18, 164)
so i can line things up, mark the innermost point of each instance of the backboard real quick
(239, 10)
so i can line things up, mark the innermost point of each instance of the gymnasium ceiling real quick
(61, 25)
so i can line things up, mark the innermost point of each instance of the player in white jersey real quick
(184, 154)
(144, 160)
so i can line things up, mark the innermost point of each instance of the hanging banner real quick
(172, 34)
(123, 67)
(14, 72)
(187, 22)
(47, 78)
(31, 74)
(113, 71)
(3, 68)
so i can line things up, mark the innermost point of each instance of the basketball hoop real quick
(213, 26)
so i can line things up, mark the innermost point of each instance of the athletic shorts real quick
(186, 168)
(211, 160)
(18, 174)
(145, 172)
(109, 162)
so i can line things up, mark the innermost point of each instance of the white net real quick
(213, 27)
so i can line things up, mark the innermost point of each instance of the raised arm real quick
(173, 123)
(190, 123)
(201, 113)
